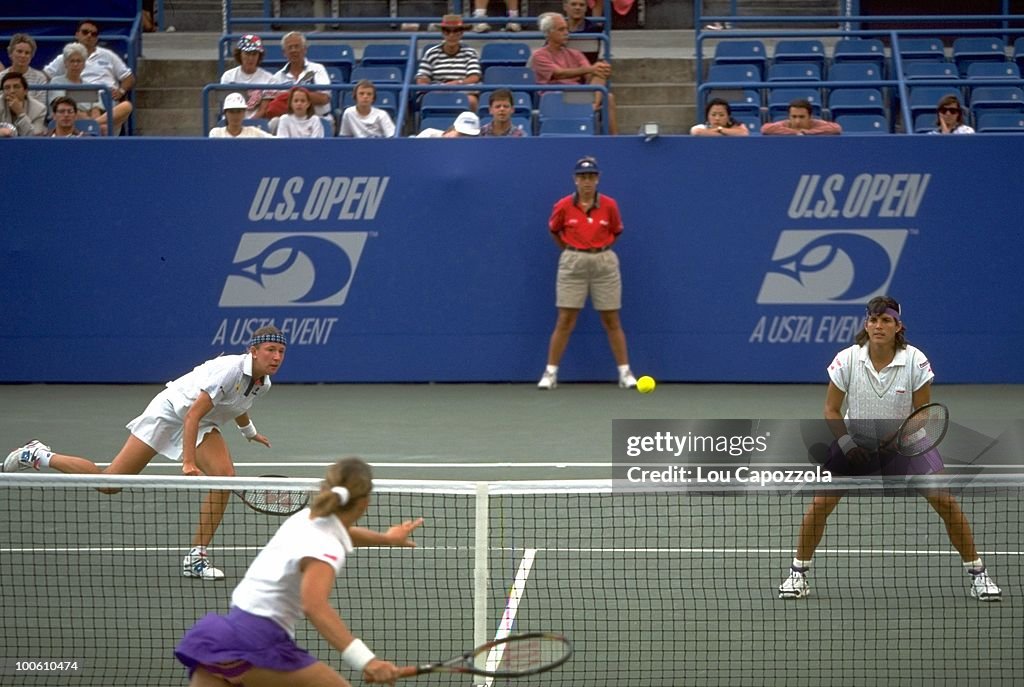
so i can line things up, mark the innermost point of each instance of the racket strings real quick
(529, 654)
(923, 430)
(274, 501)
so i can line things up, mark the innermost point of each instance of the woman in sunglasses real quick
(950, 117)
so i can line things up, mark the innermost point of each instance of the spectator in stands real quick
(90, 103)
(300, 122)
(557, 63)
(249, 56)
(102, 66)
(576, 17)
(949, 117)
(26, 116)
(451, 62)
(300, 72)
(718, 121)
(65, 112)
(585, 225)
(466, 124)
(234, 116)
(801, 123)
(501, 110)
(480, 13)
(363, 120)
(22, 49)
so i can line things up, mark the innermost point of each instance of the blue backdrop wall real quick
(430, 260)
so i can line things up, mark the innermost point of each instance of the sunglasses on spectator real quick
(460, 30)
(949, 110)
(65, 111)
(88, 32)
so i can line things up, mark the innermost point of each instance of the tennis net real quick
(652, 588)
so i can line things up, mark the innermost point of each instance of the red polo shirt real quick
(594, 229)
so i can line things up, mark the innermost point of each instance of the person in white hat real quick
(234, 116)
(249, 54)
(466, 124)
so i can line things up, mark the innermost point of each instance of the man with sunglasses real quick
(103, 66)
(451, 62)
(950, 117)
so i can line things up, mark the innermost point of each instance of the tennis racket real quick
(513, 656)
(922, 431)
(274, 501)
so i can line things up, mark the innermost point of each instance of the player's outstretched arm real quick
(396, 535)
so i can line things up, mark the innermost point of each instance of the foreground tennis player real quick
(293, 575)
(183, 423)
(880, 377)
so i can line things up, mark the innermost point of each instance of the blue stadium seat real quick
(328, 125)
(1018, 52)
(859, 50)
(863, 123)
(930, 70)
(925, 49)
(753, 122)
(846, 101)
(993, 70)
(566, 127)
(522, 102)
(800, 51)
(385, 55)
(925, 99)
(854, 71)
(779, 99)
(924, 122)
(443, 104)
(504, 54)
(745, 102)
(973, 49)
(555, 105)
(1000, 122)
(742, 52)
(997, 99)
(509, 76)
(794, 71)
(377, 74)
(729, 73)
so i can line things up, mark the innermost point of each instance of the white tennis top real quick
(271, 587)
(229, 382)
(886, 394)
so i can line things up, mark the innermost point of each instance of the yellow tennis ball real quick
(645, 384)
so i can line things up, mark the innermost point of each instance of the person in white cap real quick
(466, 124)
(234, 116)
(249, 54)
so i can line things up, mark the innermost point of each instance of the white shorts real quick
(161, 427)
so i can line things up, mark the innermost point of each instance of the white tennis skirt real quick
(162, 426)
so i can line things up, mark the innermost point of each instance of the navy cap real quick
(586, 165)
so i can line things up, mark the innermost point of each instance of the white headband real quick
(342, 494)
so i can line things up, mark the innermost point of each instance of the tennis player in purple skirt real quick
(254, 644)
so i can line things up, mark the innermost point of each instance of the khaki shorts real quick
(596, 274)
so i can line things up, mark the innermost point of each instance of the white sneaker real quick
(481, 27)
(984, 589)
(197, 564)
(24, 458)
(627, 380)
(795, 586)
(548, 381)
(513, 27)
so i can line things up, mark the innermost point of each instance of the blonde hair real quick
(352, 473)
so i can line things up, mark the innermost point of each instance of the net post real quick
(480, 568)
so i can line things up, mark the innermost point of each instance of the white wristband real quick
(249, 431)
(357, 655)
(846, 443)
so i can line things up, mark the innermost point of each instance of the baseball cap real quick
(250, 42)
(234, 101)
(586, 165)
(467, 123)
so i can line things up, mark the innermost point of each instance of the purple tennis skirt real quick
(230, 645)
(886, 463)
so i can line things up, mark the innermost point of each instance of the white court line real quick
(508, 618)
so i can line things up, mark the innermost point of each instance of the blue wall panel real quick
(429, 260)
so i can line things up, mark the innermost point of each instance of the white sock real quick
(513, 13)
(197, 551)
(480, 12)
(44, 456)
(974, 567)
(623, 369)
(801, 565)
(551, 369)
